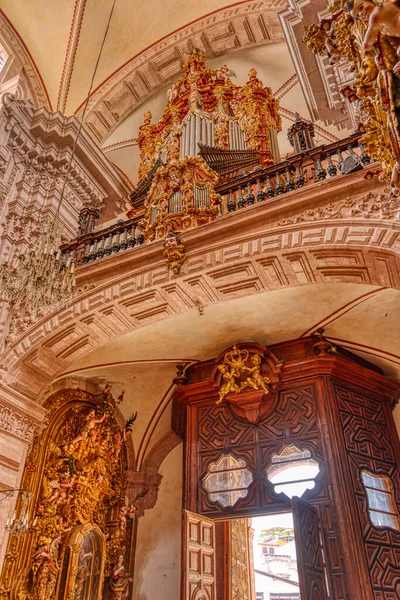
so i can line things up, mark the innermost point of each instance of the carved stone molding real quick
(160, 451)
(243, 25)
(372, 205)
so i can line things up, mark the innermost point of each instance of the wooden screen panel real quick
(369, 446)
(309, 551)
(198, 553)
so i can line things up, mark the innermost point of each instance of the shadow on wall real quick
(158, 548)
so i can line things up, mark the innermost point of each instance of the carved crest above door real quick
(247, 377)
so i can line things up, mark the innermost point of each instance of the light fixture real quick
(19, 525)
(40, 279)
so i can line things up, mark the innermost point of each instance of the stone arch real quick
(159, 451)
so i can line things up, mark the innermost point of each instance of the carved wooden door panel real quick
(309, 551)
(198, 558)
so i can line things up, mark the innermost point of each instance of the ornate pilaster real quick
(21, 420)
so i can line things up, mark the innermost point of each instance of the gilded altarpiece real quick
(80, 539)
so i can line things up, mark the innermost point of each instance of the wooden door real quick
(309, 550)
(198, 558)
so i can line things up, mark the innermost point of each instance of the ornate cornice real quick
(243, 25)
(374, 205)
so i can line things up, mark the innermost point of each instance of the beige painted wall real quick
(158, 549)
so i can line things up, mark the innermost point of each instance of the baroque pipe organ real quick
(206, 114)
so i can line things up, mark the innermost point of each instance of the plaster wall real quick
(158, 558)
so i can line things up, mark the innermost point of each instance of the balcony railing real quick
(315, 165)
(310, 167)
(105, 242)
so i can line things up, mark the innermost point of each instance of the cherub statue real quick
(129, 510)
(382, 17)
(119, 580)
(255, 379)
(60, 487)
(174, 251)
(122, 433)
(230, 385)
(124, 512)
(87, 429)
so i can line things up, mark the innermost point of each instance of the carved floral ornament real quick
(247, 377)
(80, 514)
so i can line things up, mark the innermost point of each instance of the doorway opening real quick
(274, 558)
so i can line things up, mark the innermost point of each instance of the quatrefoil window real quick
(227, 480)
(292, 471)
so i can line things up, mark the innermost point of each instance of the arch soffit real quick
(245, 24)
(53, 344)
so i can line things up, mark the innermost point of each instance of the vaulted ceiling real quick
(145, 46)
(64, 37)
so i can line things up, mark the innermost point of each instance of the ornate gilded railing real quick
(314, 166)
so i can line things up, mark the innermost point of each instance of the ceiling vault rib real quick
(341, 311)
(35, 79)
(70, 55)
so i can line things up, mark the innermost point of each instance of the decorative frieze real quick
(372, 205)
(17, 424)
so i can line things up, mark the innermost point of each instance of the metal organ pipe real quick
(187, 138)
(209, 135)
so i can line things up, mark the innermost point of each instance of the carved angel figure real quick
(87, 429)
(230, 385)
(382, 17)
(255, 379)
(60, 487)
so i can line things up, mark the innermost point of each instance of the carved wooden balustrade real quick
(105, 242)
(313, 166)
